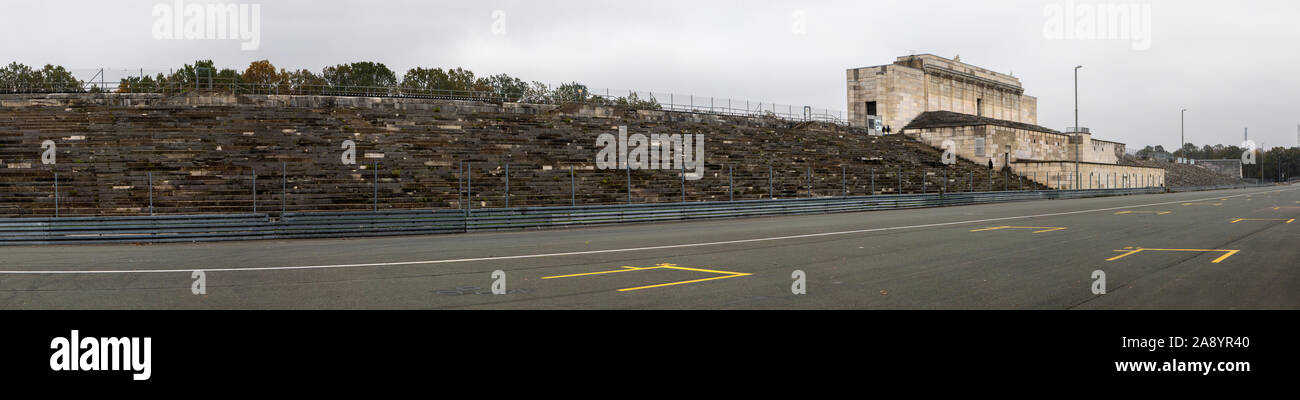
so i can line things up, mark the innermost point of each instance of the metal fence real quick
(280, 188)
(665, 101)
(194, 228)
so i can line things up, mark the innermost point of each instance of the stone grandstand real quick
(201, 151)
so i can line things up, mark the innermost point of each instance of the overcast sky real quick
(1233, 64)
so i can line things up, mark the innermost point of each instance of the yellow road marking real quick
(681, 283)
(1263, 219)
(1227, 253)
(626, 269)
(726, 275)
(1041, 229)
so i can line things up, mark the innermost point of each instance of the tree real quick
(304, 82)
(362, 74)
(505, 86)
(19, 77)
(572, 92)
(460, 80)
(1188, 151)
(425, 79)
(537, 92)
(261, 73)
(1146, 152)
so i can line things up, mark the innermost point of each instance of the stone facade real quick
(920, 83)
(981, 143)
(1061, 174)
(1032, 151)
(988, 117)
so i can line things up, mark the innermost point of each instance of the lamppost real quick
(1077, 132)
(1182, 129)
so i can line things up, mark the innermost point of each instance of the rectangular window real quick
(979, 147)
(871, 108)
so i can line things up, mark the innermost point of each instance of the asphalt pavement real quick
(1231, 249)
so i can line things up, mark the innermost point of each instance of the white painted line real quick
(623, 250)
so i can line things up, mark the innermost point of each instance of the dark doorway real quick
(979, 107)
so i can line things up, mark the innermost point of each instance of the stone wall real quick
(1061, 175)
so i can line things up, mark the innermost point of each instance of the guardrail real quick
(135, 229)
(220, 227)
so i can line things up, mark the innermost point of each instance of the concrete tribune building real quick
(987, 117)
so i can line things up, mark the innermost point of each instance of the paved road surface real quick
(1157, 251)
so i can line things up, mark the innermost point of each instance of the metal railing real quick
(664, 101)
(277, 188)
(195, 228)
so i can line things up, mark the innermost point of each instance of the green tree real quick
(360, 74)
(19, 77)
(304, 82)
(572, 92)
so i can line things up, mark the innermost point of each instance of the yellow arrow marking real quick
(1227, 253)
(1040, 229)
(726, 274)
(1263, 219)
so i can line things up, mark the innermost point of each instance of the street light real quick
(1182, 129)
(1078, 134)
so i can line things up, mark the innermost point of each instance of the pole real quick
(1182, 128)
(151, 193)
(507, 185)
(284, 187)
(628, 172)
(731, 181)
(254, 190)
(469, 187)
(873, 181)
(900, 180)
(924, 181)
(844, 182)
(682, 164)
(1077, 130)
(769, 175)
(810, 192)
(573, 188)
(375, 185)
(56, 195)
